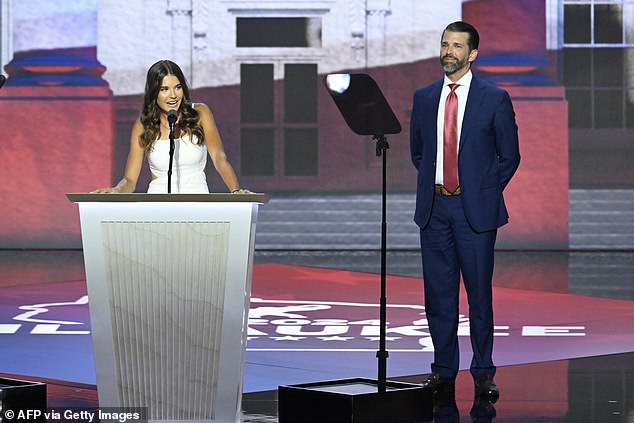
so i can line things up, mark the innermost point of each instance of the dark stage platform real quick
(562, 356)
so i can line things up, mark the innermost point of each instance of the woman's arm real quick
(133, 164)
(216, 150)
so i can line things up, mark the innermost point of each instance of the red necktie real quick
(450, 141)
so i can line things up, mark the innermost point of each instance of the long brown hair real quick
(150, 114)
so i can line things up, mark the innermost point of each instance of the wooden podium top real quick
(168, 198)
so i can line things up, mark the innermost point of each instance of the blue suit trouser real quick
(450, 247)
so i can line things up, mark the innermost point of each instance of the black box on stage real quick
(354, 401)
(22, 401)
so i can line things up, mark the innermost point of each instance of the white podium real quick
(169, 281)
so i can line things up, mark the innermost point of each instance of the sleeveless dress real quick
(188, 167)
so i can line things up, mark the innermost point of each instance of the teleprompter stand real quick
(360, 400)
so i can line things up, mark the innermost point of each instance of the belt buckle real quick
(440, 189)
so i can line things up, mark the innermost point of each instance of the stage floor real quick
(564, 341)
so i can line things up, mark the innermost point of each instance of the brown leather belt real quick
(439, 189)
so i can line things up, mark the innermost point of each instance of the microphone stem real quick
(169, 170)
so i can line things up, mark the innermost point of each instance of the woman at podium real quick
(194, 132)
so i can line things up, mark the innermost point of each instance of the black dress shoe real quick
(482, 411)
(486, 389)
(445, 409)
(440, 385)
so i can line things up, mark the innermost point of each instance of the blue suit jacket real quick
(488, 152)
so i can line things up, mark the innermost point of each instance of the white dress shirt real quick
(462, 91)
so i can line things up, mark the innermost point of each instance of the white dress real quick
(188, 167)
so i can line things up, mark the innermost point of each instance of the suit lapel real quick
(433, 98)
(476, 94)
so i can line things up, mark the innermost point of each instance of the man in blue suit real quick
(464, 145)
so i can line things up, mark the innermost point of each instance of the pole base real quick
(354, 401)
(21, 400)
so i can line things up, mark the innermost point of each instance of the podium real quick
(169, 281)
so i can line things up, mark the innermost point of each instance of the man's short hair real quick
(474, 38)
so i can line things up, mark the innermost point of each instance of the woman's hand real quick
(109, 190)
(241, 191)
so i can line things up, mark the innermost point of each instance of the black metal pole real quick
(169, 170)
(382, 354)
(172, 117)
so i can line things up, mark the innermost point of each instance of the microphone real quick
(172, 116)
(2, 80)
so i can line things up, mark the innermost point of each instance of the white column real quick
(554, 24)
(356, 9)
(377, 13)
(180, 12)
(628, 27)
(6, 33)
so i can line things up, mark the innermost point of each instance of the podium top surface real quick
(168, 198)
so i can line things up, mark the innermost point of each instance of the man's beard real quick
(451, 68)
